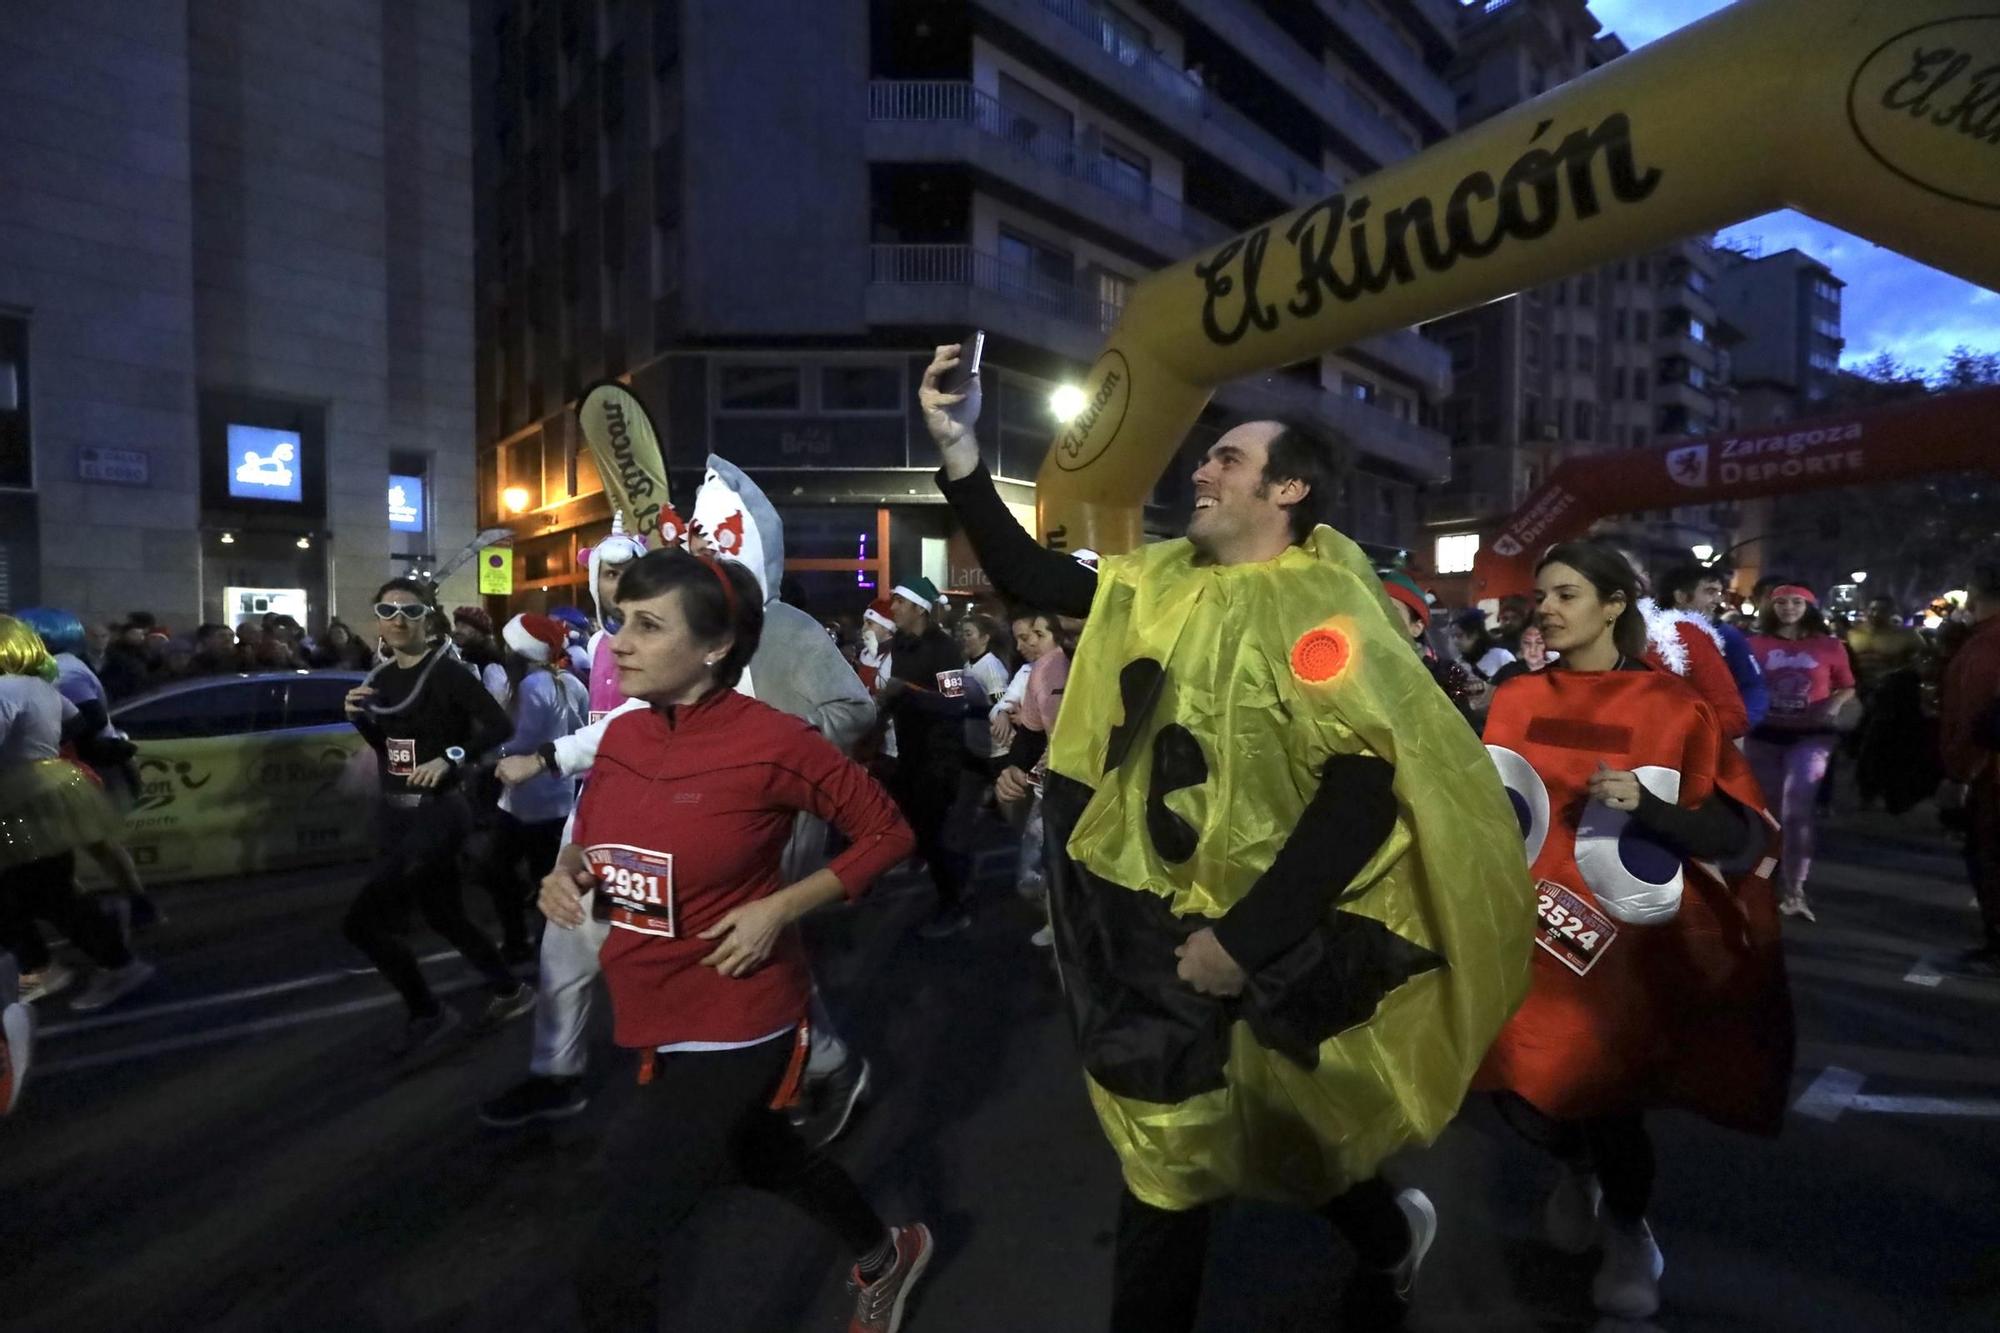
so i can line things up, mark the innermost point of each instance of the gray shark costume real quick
(796, 669)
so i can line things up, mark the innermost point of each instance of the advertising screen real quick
(264, 464)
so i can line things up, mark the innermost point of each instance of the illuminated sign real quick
(264, 464)
(406, 504)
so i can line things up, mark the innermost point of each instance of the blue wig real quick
(61, 631)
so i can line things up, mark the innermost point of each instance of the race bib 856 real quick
(639, 881)
(402, 757)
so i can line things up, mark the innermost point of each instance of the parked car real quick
(243, 773)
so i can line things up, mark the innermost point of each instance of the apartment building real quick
(235, 304)
(1623, 356)
(765, 215)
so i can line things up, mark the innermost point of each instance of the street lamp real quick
(1703, 552)
(515, 498)
(305, 543)
(1859, 576)
(1067, 403)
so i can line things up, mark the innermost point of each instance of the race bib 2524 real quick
(1571, 929)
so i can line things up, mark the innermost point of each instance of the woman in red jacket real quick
(677, 843)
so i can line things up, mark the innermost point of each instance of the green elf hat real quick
(921, 591)
(1402, 588)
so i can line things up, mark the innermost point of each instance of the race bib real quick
(951, 684)
(402, 757)
(1573, 930)
(639, 881)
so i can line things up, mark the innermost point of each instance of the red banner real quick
(1958, 431)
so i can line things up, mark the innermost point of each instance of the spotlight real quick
(305, 543)
(1067, 403)
(515, 498)
(228, 539)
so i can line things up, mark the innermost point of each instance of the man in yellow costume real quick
(1290, 905)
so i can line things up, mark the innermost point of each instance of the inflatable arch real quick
(1880, 118)
(1953, 432)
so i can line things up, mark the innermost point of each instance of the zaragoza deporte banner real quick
(1879, 116)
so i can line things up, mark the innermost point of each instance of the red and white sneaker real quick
(17, 1048)
(878, 1305)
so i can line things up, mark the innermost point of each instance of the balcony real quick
(1409, 354)
(1441, 15)
(1076, 31)
(1263, 44)
(1424, 85)
(1418, 452)
(928, 121)
(956, 286)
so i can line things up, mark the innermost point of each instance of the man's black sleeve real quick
(1027, 749)
(1343, 826)
(1711, 831)
(487, 725)
(1020, 567)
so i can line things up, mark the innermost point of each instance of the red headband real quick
(1796, 590)
(728, 588)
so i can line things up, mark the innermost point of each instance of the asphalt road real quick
(231, 1149)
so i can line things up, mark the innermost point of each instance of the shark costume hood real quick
(733, 512)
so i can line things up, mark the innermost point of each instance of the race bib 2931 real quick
(639, 881)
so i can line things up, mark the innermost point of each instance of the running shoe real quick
(1628, 1281)
(878, 1305)
(537, 1097)
(17, 1050)
(112, 984)
(1381, 1299)
(833, 1101)
(1570, 1215)
(944, 925)
(51, 980)
(502, 1008)
(1794, 904)
(423, 1035)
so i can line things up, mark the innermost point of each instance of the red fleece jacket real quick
(684, 818)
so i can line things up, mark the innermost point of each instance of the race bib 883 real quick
(639, 881)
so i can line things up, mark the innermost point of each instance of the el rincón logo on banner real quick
(1926, 104)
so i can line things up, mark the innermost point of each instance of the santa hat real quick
(535, 637)
(921, 591)
(1402, 588)
(878, 611)
(474, 617)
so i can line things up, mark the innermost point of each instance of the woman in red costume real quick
(1658, 981)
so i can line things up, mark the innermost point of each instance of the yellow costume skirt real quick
(49, 807)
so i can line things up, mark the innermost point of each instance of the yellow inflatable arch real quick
(1879, 116)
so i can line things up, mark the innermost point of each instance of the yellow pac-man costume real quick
(1204, 704)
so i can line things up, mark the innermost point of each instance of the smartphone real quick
(970, 349)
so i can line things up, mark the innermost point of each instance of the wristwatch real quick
(455, 756)
(546, 752)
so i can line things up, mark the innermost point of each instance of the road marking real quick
(127, 1016)
(1836, 1091)
(168, 1045)
(1922, 973)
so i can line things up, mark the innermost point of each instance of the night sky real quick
(1892, 304)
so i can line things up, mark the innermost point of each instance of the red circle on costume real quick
(1319, 656)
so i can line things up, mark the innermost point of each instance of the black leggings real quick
(704, 1121)
(509, 841)
(46, 889)
(418, 863)
(1616, 1147)
(1157, 1268)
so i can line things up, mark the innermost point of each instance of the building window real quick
(1112, 291)
(1531, 416)
(1464, 349)
(1455, 552)
(1586, 421)
(1586, 289)
(1124, 36)
(1126, 170)
(1826, 290)
(1642, 270)
(1618, 382)
(1638, 437)
(1586, 355)
(861, 388)
(1032, 120)
(1697, 330)
(757, 388)
(1400, 406)
(1531, 349)
(1359, 389)
(1034, 267)
(1827, 328)
(1559, 352)
(17, 457)
(1642, 323)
